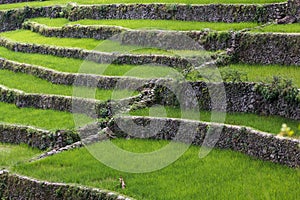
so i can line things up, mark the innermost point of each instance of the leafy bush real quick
(279, 88)
(233, 75)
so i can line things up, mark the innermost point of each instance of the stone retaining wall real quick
(74, 79)
(268, 48)
(90, 107)
(37, 138)
(75, 31)
(246, 140)
(191, 40)
(238, 97)
(251, 48)
(96, 56)
(16, 1)
(17, 187)
(210, 13)
(294, 9)
(13, 19)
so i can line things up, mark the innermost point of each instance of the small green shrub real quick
(279, 88)
(233, 75)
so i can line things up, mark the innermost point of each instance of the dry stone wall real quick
(251, 48)
(191, 40)
(37, 138)
(210, 13)
(74, 79)
(268, 48)
(75, 31)
(246, 140)
(13, 19)
(294, 9)
(239, 97)
(96, 56)
(15, 1)
(17, 187)
(92, 108)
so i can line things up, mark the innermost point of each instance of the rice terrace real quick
(123, 99)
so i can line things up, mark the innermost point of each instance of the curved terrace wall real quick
(96, 56)
(92, 108)
(208, 39)
(74, 79)
(15, 1)
(13, 19)
(210, 13)
(239, 97)
(251, 48)
(246, 140)
(14, 186)
(37, 138)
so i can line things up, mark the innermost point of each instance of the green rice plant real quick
(149, 24)
(31, 84)
(45, 119)
(83, 43)
(27, 36)
(280, 28)
(222, 174)
(76, 65)
(264, 73)
(11, 155)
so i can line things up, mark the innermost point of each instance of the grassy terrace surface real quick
(258, 73)
(31, 84)
(63, 2)
(30, 37)
(154, 24)
(11, 155)
(270, 124)
(222, 174)
(45, 119)
(26, 36)
(281, 28)
(76, 65)
(254, 72)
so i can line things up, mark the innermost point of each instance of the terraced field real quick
(70, 83)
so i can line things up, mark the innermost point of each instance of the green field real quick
(63, 64)
(281, 28)
(12, 155)
(151, 24)
(264, 73)
(27, 36)
(32, 84)
(88, 44)
(255, 73)
(222, 174)
(63, 2)
(45, 119)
